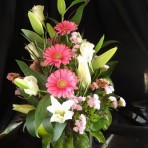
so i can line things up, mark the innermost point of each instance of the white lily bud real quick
(38, 12)
(29, 84)
(32, 50)
(83, 71)
(87, 51)
(25, 108)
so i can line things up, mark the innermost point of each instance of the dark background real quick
(123, 20)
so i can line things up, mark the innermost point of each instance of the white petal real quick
(51, 109)
(55, 102)
(68, 115)
(67, 104)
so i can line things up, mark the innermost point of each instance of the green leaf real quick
(74, 3)
(50, 30)
(103, 59)
(10, 128)
(31, 99)
(99, 136)
(27, 72)
(109, 42)
(69, 141)
(47, 126)
(82, 141)
(60, 143)
(30, 125)
(104, 122)
(41, 111)
(46, 140)
(99, 44)
(53, 20)
(78, 15)
(33, 37)
(35, 23)
(109, 71)
(58, 129)
(61, 7)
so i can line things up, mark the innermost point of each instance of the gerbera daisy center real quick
(57, 55)
(62, 83)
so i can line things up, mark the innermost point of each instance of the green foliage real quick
(50, 30)
(41, 111)
(33, 37)
(99, 44)
(27, 72)
(82, 141)
(78, 15)
(30, 125)
(99, 136)
(74, 3)
(46, 140)
(103, 122)
(58, 129)
(109, 71)
(103, 58)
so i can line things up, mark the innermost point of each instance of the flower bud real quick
(122, 102)
(83, 71)
(38, 12)
(32, 84)
(32, 50)
(25, 108)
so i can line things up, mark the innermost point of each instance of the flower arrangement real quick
(67, 90)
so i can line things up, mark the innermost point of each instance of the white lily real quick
(87, 51)
(60, 111)
(83, 71)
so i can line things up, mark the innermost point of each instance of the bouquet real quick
(66, 87)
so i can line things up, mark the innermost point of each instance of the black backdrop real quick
(121, 20)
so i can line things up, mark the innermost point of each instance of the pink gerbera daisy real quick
(62, 83)
(57, 54)
(65, 27)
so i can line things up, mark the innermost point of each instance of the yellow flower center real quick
(57, 56)
(62, 83)
(60, 112)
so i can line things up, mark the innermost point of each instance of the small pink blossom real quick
(43, 63)
(57, 55)
(11, 76)
(65, 27)
(77, 100)
(34, 66)
(94, 101)
(105, 67)
(17, 92)
(80, 99)
(109, 89)
(80, 124)
(76, 38)
(102, 83)
(113, 101)
(94, 86)
(62, 83)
